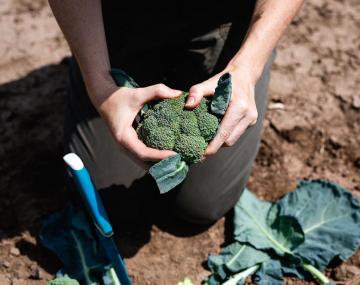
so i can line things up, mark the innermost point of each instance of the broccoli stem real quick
(316, 273)
(241, 275)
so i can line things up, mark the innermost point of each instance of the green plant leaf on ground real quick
(301, 233)
(269, 273)
(329, 216)
(69, 235)
(236, 257)
(258, 223)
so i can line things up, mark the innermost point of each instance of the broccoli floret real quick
(149, 123)
(191, 148)
(167, 117)
(65, 280)
(189, 124)
(166, 124)
(208, 125)
(149, 113)
(203, 107)
(160, 138)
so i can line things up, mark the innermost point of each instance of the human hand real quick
(119, 110)
(241, 112)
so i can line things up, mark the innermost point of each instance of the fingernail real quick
(190, 101)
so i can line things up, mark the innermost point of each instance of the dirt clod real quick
(14, 251)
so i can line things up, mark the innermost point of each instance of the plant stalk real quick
(316, 273)
(241, 275)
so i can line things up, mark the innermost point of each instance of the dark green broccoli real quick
(160, 138)
(208, 125)
(188, 124)
(191, 148)
(166, 124)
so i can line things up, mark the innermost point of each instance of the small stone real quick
(345, 272)
(14, 251)
(276, 106)
(6, 264)
(356, 101)
(35, 274)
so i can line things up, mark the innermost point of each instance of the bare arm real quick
(270, 20)
(82, 24)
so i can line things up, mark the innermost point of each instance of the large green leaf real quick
(169, 172)
(236, 257)
(69, 235)
(330, 218)
(269, 273)
(258, 223)
(232, 259)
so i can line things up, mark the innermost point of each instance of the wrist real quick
(250, 58)
(243, 72)
(99, 86)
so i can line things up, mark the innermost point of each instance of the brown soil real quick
(312, 130)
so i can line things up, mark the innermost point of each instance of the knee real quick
(198, 215)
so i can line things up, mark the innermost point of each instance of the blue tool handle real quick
(92, 200)
(112, 252)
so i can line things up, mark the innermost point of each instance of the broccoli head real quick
(166, 124)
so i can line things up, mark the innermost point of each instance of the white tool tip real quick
(73, 161)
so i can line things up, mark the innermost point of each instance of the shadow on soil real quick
(32, 175)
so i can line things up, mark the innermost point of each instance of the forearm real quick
(81, 22)
(270, 20)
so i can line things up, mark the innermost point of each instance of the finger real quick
(132, 143)
(198, 91)
(244, 124)
(231, 119)
(158, 91)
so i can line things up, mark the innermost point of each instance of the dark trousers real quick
(212, 186)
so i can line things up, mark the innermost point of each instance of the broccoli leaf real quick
(122, 79)
(69, 235)
(232, 259)
(258, 223)
(222, 95)
(236, 257)
(330, 218)
(269, 273)
(169, 172)
(306, 228)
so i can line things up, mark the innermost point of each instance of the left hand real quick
(241, 113)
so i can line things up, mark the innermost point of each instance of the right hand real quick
(119, 111)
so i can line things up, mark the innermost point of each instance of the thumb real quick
(158, 91)
(197, 92)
